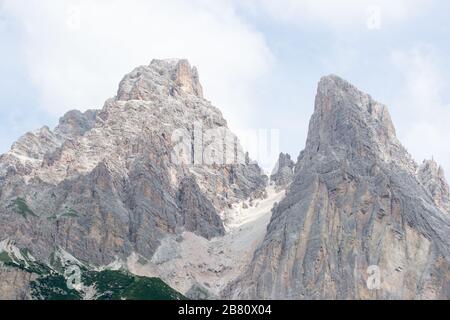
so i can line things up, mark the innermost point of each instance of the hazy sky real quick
(259, 61)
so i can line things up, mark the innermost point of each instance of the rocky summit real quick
(152, 196)
(109, 183)
(361, 220)
(283, 173)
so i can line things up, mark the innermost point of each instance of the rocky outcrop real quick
(150, 178)
(198, 212)
(186, 79)
(432, 176)
(356, 222)
(283, 173)
(36, 148)
(15, 284)
(75, 123)
(164, 78)
(108, 183)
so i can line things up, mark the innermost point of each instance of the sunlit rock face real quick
(161, 78)
(108, 183)
(156, 182)
(432, 176)
(357, 222)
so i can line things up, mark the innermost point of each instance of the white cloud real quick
(337, 15)
(420, 108)
(76, 52)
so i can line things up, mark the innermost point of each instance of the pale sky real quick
(259, 61)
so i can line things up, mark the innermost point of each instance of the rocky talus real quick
(361, 219)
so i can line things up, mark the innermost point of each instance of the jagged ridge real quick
(104, 184)
(355, 202)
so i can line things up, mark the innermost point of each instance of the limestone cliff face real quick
(164, 77)
(355, 206)
(432, 176)
(15, 284)
(108, 183)
(186, 79)
(283, 173)
(130, 179)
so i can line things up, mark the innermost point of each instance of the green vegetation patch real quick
(5, 258)
(118, 285)
(28, 264)
(53, 286)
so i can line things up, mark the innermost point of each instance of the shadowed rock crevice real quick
(197, 211)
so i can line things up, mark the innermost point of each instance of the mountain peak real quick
(432, 177)
(339, 93)
(187, 78)
(283, 172)
(348, 120)
(334, 80)
(175, 77)
(331, 85)
(355, 202)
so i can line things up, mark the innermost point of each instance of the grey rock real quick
(199, 292)
(15, 284)
(198, 213)
(104, 184)
(167, 251)
(283, 173)
(432, 176)
(355, 202)
(171, 77)
(75, 123)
